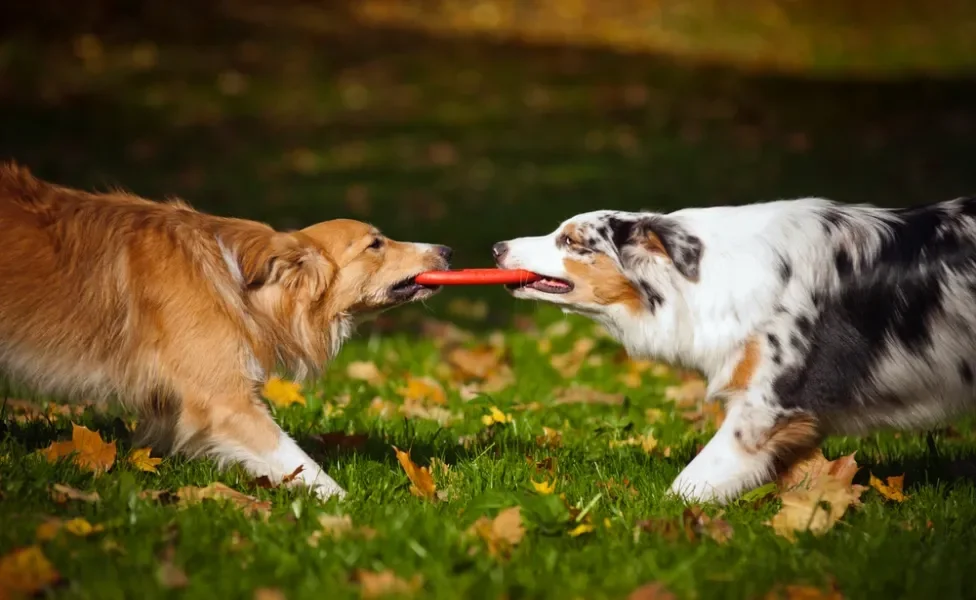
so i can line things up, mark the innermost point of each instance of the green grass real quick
(465, 143)
(870, 553)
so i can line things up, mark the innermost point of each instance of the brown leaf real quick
(86, 448)
(25, 572)
(62, 493)
(265, 482)
(421, 481)
(652, 591)
(502, 533)
(550, 438)
(892, 490)
(444, 333)
(374, 584)
(578, 394)
(220, 492)
(808, 471)
(417, 410)
(716, 529)
(816, 508)
(337, 526)
(669, 529)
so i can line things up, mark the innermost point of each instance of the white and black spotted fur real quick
(807, 317)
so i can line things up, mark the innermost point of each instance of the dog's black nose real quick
(445, 251)
(499, 250)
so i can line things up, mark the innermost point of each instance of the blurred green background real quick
(466, 122)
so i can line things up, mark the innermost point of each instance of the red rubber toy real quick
(477, 277)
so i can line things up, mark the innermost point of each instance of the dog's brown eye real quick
(376, 244)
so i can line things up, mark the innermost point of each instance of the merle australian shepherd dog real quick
(807, 317)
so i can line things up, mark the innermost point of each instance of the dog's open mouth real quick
(408, 288)
(546, 285)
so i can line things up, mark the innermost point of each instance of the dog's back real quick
(95, 287)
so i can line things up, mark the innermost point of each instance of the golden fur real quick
(181, 315)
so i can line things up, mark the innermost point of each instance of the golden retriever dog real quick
(181, 316)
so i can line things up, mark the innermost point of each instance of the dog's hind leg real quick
(754, 442)
(237, 428)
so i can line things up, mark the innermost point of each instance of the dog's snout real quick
(445, 252)
(499, 250)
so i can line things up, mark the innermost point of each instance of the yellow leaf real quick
(92, 453)
(220, 492)
(365, 371)
(544, 487)
(283, 393)
(502, 533)
(805, 473)
(892, 490)
(386, 583)
(25, 571)
(337, 526)
(81, 527)
(423, 389)
(495, 416)
(647, 442)
(688, 394)
(653, 415)
(569, 364)
(140, 459)
(421, 481)
(580, 530)
(48, 529)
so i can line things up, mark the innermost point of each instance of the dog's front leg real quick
(239, 429)
(754, 441)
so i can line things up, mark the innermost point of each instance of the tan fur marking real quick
(789, 440)
(601, 283)
(653, 244)
(745, 368)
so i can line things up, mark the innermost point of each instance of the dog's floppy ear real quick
(658, 235)
(282, 259)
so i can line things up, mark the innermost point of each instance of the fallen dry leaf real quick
(283, 393)
(423, 390)
(79, 527)
(502, 533)
(86, 449)
(337, 526)
(62, 493)
(482, 369)
(815, 466)
(265, 482)
(550, 438)
(651, 591)
(25, 572)
(543, 487)
(715, 528)
(421, 481)
(416, 410)
(365, 371)
(646, 442)
(569, 364)
(580, 529)
(469, 309)
(892, 490)
(374, 584)
(578, 394)
(495, 416)
(220, 492)
(444, 333)
(616, 489)
(817, 503)
(141, 460)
